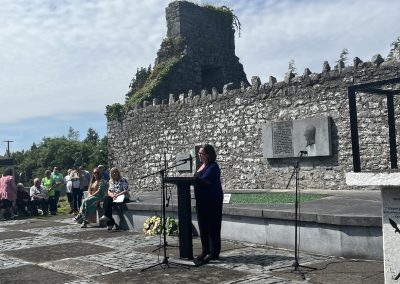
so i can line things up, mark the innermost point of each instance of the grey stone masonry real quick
(232, 121)
(203, 40)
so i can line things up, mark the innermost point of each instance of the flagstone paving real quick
(56, 250)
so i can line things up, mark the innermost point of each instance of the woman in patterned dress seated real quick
(118, 192)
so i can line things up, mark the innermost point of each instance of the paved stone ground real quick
(56, 250)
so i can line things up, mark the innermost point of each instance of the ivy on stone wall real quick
(175, 44)
(157, 76)
(232, 18)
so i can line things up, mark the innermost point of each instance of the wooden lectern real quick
(184, 214)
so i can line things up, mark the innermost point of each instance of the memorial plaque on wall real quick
(282, 139)
(285, 139)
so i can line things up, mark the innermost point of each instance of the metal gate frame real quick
(373, 88)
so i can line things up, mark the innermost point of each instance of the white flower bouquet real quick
(153, 226)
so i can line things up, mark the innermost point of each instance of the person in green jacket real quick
(49, 183)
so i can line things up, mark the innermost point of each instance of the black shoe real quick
(209, 257)
(79, 219)
(199, 260)
(104, 218)
(202, 256)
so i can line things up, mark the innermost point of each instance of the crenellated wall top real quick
(351, 74)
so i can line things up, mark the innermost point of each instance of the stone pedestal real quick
(389, 184)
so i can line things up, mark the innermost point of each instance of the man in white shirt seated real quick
(39, 197)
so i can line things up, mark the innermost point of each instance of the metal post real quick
(354, 129)
(392, 132)
(8, 147)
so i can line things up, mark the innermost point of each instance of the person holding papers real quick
(118, 192)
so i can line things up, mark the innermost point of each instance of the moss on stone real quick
(227, 12)
(158, 75)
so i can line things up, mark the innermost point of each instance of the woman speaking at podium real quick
(209, 197)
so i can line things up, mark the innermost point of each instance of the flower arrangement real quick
(153, 226)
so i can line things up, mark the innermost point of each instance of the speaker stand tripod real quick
(165, 262)
(296, 265)
(165, 242)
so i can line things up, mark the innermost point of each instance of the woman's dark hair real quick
(210, 151)
(93, 177)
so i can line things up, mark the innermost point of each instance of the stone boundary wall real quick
(232, 120)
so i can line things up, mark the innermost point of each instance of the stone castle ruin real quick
(241, 121)
(197, 54)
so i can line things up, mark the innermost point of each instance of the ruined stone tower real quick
(198, 52)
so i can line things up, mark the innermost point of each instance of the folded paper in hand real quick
(119, 198)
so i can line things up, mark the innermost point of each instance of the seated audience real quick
(96, 192)
(23, 202)
(39, 198)
(118, 186)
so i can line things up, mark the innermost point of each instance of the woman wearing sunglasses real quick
(96, 192)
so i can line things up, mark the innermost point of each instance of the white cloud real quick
(311, 32)
(59, 54)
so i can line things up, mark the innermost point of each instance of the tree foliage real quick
(73, 134)
(292, 67)
(63, 152)
(342, 58)
(92, 137)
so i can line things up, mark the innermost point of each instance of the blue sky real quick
(62, 62)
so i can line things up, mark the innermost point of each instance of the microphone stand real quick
(295, 173)
(165, 261)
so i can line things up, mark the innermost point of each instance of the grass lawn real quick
(64, 206)
(272, 197)
(236, 198)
